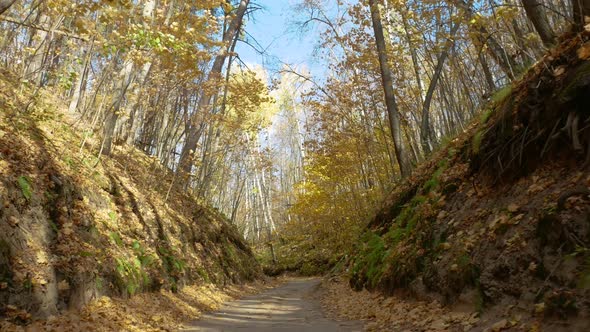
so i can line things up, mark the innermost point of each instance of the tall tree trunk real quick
(79, 87)
(487, 72)
(535, 13)
(387, 81)
(39, 41)
(193, 132)
(413, 53)
(127, 76)
(5, 5)
(142, 77)
(425, 138)
(113, 113)
(581, 10)
(484, 37)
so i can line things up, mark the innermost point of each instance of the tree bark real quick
(484, 37)
(114, 111)
(193, 132)
(79, 87)
(535, 13)
(581, 9)
(5, 5)
(425, 138)
(487, 72)
(387, 81)
(39, 40)
(127, 77)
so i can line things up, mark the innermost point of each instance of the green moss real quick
(501, 94)
(25, 187)
(394, 236)
(203, 274)
(116, 238)
(375, 259)
(463, 261)
(145, 259)
(28, 283)
(72, 164)
(476, 142)
(53, 225)
(310, 268)
(99, 283)
(85, 254)
(486, 115)
(130, 275)
(479, 301)
(412, 222)
(434, 181)
(113, 216)
(379, 259)
(452, 152)
(370, 260)
(404, 215)
(230, 251)
(172, 264)
(430, 185)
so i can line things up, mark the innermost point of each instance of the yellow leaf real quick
(41, 258)
(559, 71)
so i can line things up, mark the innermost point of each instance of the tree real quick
(194, 129)
(534, 11)
(387, 83)
(486, 40)
(5, 5)
(581, 10)
(440, 61)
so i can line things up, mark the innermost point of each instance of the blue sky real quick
(275, 30)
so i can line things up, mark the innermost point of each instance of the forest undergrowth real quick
(495, 227)
(82, 235)
(437, 169)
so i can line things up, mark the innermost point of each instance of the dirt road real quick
(293, 306)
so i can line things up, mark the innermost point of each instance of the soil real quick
(294, 306)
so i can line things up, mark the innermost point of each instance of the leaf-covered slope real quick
(73, 228)
(500, 215)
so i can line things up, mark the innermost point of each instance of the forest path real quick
(293, 306)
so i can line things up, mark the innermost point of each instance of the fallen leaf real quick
(499, 326)
(540, 308)
(41, 258)
(12, 221)
(512, 208)
(445, 246)
(532, 267)
(561, 69)
(584, 51)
